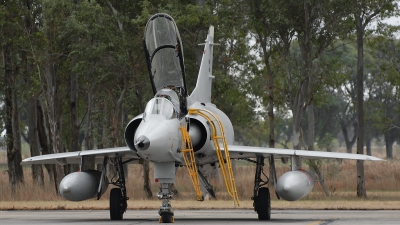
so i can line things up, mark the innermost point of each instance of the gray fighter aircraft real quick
(177, 129)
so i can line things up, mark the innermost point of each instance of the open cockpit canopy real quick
(164, 54)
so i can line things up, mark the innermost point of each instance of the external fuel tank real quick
(79, 186)
(294, 185)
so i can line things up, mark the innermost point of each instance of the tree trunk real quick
(37, 170)
(306, 53)
(270, 108)
(74, 123)
(100, 136)
(361, 189)
(88, 122)
(99, 141)
(43, 137)
(368, 145)
(270, 93)
(271, 119)
(297, 111)
(389, 140)
(300, 98)
(349, 143)
(30, 28)
(89, 162)
(311, 126)
(310, 143)
(11, 120)
(116, 118)
(54, 116)
(302, 90)
(146, 179)
(15, 157)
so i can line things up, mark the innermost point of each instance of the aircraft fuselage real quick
(157, 138)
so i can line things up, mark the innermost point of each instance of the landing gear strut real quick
(166, 211)
(118, 199)
(262, 200)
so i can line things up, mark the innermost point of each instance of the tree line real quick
(74, 72)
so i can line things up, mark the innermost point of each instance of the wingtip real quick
(25, 161)
(372, 158)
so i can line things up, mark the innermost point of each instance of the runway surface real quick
(308, 217)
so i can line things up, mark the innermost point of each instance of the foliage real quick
(326, 142)
(101, 43)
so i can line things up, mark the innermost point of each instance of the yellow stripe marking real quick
(316, 222)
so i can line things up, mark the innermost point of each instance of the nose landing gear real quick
(166, 211)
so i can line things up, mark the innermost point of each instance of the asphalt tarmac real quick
(308, 217)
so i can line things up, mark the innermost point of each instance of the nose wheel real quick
(166, 218)
(166, 211)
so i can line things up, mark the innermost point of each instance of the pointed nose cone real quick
(64, 190)
(142, 143)
(287, 188)
(79, 186)
(158, 139)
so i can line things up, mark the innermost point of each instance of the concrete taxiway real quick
(98, 217)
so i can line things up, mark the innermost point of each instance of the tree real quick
(317, 25)
(30, 77)
(10, 33)
(364, 13)
(383, 85)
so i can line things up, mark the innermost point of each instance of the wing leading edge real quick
(75, 157)
(237, 151)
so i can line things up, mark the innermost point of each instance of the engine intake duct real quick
(130, 131)
(197, 133)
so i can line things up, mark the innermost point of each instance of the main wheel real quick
(263, 204)
(167, 218)
(116, 204)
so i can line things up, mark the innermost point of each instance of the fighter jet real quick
(181, 130)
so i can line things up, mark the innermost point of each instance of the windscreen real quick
(160, 106)
(161, 40)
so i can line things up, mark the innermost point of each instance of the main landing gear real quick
(262, 200)
(118, 199)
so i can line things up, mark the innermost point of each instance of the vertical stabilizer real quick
(202, 91)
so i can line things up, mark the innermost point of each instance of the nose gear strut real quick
(166, 211)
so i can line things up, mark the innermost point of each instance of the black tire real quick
(116, 204)
(167, 218)
(264, 204)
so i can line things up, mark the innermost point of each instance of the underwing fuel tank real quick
(79, 186)
(294, 185)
